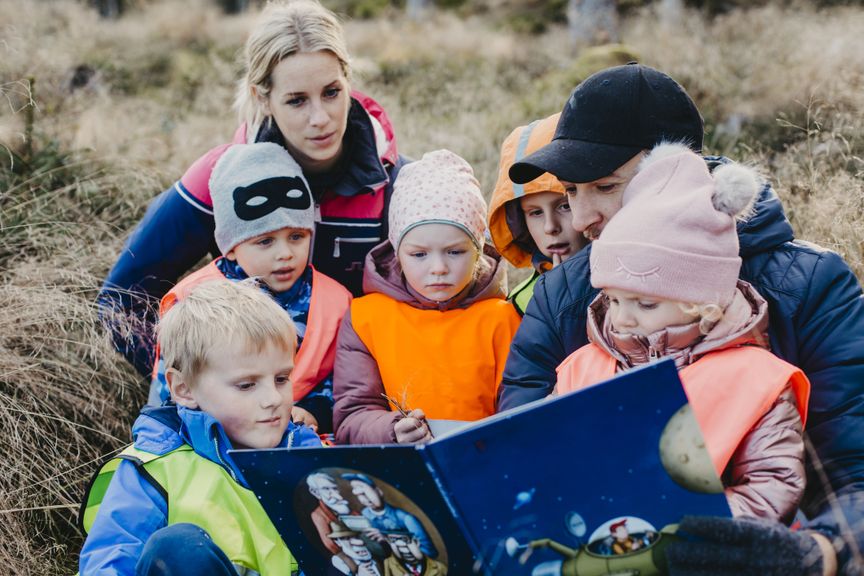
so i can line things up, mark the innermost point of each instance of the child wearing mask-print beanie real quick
(265, 220)
(431, 336)
(668, 265)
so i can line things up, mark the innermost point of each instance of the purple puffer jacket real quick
(360, 414)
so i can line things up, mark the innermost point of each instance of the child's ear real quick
(231, 255)
(181, 390)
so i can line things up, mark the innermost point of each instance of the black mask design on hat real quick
(266, 196)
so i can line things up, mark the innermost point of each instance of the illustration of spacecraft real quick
(644, 557)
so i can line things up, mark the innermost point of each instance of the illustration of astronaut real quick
(623, 543)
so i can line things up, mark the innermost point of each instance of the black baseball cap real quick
(610, 117)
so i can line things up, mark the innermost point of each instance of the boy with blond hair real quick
(174, 500)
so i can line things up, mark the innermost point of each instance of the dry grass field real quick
(97, 117)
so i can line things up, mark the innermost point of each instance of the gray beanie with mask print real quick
(257, 189)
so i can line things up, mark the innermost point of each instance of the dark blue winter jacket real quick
(816, 312)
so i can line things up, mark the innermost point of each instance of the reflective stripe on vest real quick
(729, 390)
(203, 493)
(315, 358)
(447, 363)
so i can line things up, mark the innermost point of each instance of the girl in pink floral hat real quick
(430, 338)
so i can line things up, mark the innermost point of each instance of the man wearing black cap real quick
(815, 305)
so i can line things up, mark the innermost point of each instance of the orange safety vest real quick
(314, 361)
(448, 363)
(729, 390)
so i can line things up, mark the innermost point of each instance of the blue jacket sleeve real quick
(552, 328)
(830, 329)
(319, 403)
(535, 352)
(171, 238)
(306, 438)
(131, 512)
(843, 522)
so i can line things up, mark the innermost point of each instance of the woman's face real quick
(309, 101)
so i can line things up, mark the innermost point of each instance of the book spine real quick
(429, 459)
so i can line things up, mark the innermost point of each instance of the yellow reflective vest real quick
(201, 492)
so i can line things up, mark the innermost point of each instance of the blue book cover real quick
(591, 482)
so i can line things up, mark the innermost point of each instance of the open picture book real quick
(591, 482)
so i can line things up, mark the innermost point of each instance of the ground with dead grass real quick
(115, 111)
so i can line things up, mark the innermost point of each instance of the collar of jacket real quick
(745, 322)
(541, 262)
(289, 299)
(383, 274)
(360, 169)
(160, 430)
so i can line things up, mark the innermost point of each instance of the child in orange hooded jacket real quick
(530, 223)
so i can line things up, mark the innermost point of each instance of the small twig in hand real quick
(404, 410)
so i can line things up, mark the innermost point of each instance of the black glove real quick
(714, 546)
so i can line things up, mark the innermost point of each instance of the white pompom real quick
(735, 189)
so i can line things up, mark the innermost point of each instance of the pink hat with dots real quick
(438, 188)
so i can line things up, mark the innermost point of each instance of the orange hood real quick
(521, 142)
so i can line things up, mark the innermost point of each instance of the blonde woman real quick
(295, 92)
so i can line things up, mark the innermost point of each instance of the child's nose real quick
(550, 225)
(438, 266)
(623, 318)
(270, 396)
(285, 253)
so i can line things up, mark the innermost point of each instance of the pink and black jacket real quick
(177, 229)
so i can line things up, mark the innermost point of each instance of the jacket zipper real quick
(222, 460)
(337, 251)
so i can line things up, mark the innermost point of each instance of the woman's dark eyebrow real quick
(292, 94)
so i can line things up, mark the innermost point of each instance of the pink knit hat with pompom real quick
(438, 188)
(675, 236)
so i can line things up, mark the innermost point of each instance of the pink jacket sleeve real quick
(765, 477)
(360, 414)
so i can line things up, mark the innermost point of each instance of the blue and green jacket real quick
(134, 506)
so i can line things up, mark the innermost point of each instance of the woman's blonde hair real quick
(222, 313)
(285, 28)
(709, 314)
